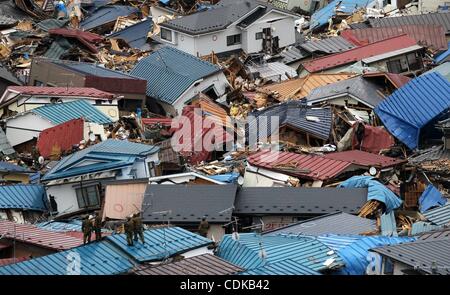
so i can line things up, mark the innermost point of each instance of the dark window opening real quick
(233, 40)
(88, 197)
(166, 34)
(259, 35)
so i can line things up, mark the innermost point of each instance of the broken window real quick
(88, 197)
(233, 39)
(166, 34)
(395, 67)
(413, 62)
(259, 35)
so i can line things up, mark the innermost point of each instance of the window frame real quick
(86, 198)
(236, 40)
(170, 32)
(259, 35)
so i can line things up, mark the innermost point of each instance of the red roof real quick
(64, 136)
(166, 122)
(425, 35)
(31, 234)
(306, 166)
(365, 159)
(397, 80)
(62, 91)
(359, 53)
(86, 38)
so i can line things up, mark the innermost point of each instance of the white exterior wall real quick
(31, 126)
(205, 44)
(426, 6)
(65, 197)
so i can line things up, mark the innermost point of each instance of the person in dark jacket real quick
(138, 228)
(129, 230)
(86, 228)
(98, 226)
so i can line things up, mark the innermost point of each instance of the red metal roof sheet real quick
(397, 80)
(63, 136)
(63, 91)
(365, 159)
(320, 168)
(86, 38)
(359, 53)
(31, 234)
(425, 35)
(166, 122)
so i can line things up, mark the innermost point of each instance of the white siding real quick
(30, 126)
(65, 197)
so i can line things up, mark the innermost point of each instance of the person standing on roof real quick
(138, 228)
(203, 227)
(129, 229)
(98, 226)
(86, 228)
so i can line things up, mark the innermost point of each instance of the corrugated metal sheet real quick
(62, 91)
(189, 203)
(299, 88)
(9, 167)
(308, 166)
(305, 251)
(420, 255)
(438, 234)
(321, 16)
(414, 105)
(7, 261)
(63, 136)
(294, 201)
(135, 35)
(328, 45)
(387, 55)
(335, 223)
(397, 80)
(358, 53)
(31, 234)
(205, 264)
(23, 196)
(5, 146)
(63, 112)
(89, 40)
(365, 159)
(430, 198)
(421, 227)
(105, 15)
(425, 35)
(58, 226)
(437, 19)
(442, 57)
(58, 48)
(51, 23)
(122, 200)
(166, 122)
(443, 69)
(160, 243)
(101, 258)
(169, 72)
(388, 225)
(294, 114)
(429, 154)
(273, 71)
(292, 54)
(439, 216)
(284, 267)
(354, 250)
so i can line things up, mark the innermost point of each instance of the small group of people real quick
(92, 224)
(134, 229)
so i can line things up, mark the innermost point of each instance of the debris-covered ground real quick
(234, 137)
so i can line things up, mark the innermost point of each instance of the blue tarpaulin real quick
(376, 191)
(430, 198)
(228, 177)
(321, 17)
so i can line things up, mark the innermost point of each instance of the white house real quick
(231, 25)
(175, 77)
(77, 181)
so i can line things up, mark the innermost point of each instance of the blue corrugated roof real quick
(321, 17)
(109, 154)
(375, 191)
(443, 56)
(430, 198)
(106, 14)
(8, 167)
(35, 178)
(160, 243)
(100, 258)
(63, 112)
(354, 249)
(306, 251)
(413, 106)
(23, 196)
(135, 35)
(284, 267)
(170, 72)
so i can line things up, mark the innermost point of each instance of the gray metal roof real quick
(8, 76)
(339, 223)
(5, 146)
(188, 203)
(437, 18)
(359, 88)
(292, 54)
(298, 201)
(430, 154)
(421, 254)
(439, 216)
(91, 69)
(205, 264)
(438, 234)
(135, 35)
(329, 45)
(362, 25)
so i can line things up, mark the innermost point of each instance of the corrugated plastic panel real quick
(364, 159)
(169, 72)
(101, 258)
(315, 167)
(23, 196)
(31, 234)
(306, 251)
(284, 267)
(62, 91)
(160, 243)
(63, 112)
(355, 249)
(438, 19)
(359, 53)
(414, 105)
(439, 216)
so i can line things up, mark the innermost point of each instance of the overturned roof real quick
(442, 19)
(105, 15)
(298, 201)
(135, 35)
(189, 203)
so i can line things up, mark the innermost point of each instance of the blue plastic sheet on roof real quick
(430, 198)
(376, 191)
(321, 17)
(442, 56)
(227, 177)
(410, 108)
(354, 250)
